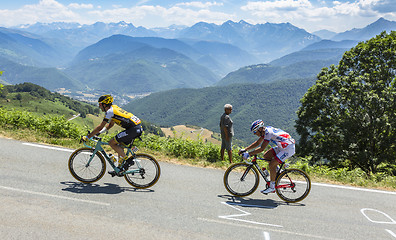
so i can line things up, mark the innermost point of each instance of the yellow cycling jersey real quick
(121, 117)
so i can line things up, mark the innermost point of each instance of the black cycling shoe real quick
(129, 162)
(114, 173)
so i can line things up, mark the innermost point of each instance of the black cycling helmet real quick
(106, 99)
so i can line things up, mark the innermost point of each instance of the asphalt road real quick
(39, 199)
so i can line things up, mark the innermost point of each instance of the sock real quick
(121, 160)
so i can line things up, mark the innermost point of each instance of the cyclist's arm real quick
(110, 125)
(97, 129)
(261, 148)
(255, 144)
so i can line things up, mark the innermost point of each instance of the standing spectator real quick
(227, 131)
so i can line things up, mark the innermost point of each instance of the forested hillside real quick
(275, 103)
(33, 98)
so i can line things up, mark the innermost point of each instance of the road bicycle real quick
(88, 165)
(242, 179)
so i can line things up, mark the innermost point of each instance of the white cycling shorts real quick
(281, 154)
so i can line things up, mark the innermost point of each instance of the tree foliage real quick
(348, 117)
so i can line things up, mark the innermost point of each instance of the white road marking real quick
(309, 236)
(353, 188)
(266, 236)
(48, 147)
(244, 213)
(363, 210)
(54, 196)
(391, 233)
(392, 221)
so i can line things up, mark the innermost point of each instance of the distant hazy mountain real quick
(50, 78)
(123, 43)
(325, 34)
(266, 41)
(371, 30)
(29, 49)
(329, 44)
(172, 31)
(221, 58)
(82, 36)
(125, 64)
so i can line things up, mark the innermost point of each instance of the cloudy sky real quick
(311, 15)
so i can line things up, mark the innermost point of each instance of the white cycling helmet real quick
(256, 125)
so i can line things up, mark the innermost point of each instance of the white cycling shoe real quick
(268, 190)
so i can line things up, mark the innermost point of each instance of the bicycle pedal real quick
(112, 173)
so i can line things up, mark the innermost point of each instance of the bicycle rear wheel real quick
(83, 171)
(148, 172)
(293, 185)
(241, 179)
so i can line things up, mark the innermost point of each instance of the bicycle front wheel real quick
(293, 185)
(241, 179)
(144, 173)
(86, 167)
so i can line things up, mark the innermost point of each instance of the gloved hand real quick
(83, 139)
(245, 155)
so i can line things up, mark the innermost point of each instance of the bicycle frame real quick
(255, 164)
(98, 148)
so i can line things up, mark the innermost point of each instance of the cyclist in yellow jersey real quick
(116, 115)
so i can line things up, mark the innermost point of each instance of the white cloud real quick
(80, 6)
(199, 4)
(334, 15)
(157, 16)
(44, 11)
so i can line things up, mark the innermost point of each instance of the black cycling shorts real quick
(129, 134)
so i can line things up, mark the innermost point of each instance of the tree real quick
(348, 117)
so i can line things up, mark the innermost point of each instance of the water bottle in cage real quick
(265, 171)
(113, 158)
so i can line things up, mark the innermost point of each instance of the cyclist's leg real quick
(125, 138)
(114, 144)
(278, 155)
(271, 155)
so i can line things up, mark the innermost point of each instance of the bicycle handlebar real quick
(254, 158)
(95, 139)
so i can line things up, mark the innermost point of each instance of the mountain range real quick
(206, 53)
(122, 59)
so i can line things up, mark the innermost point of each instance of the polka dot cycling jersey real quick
(121, 117)
(277, 136)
